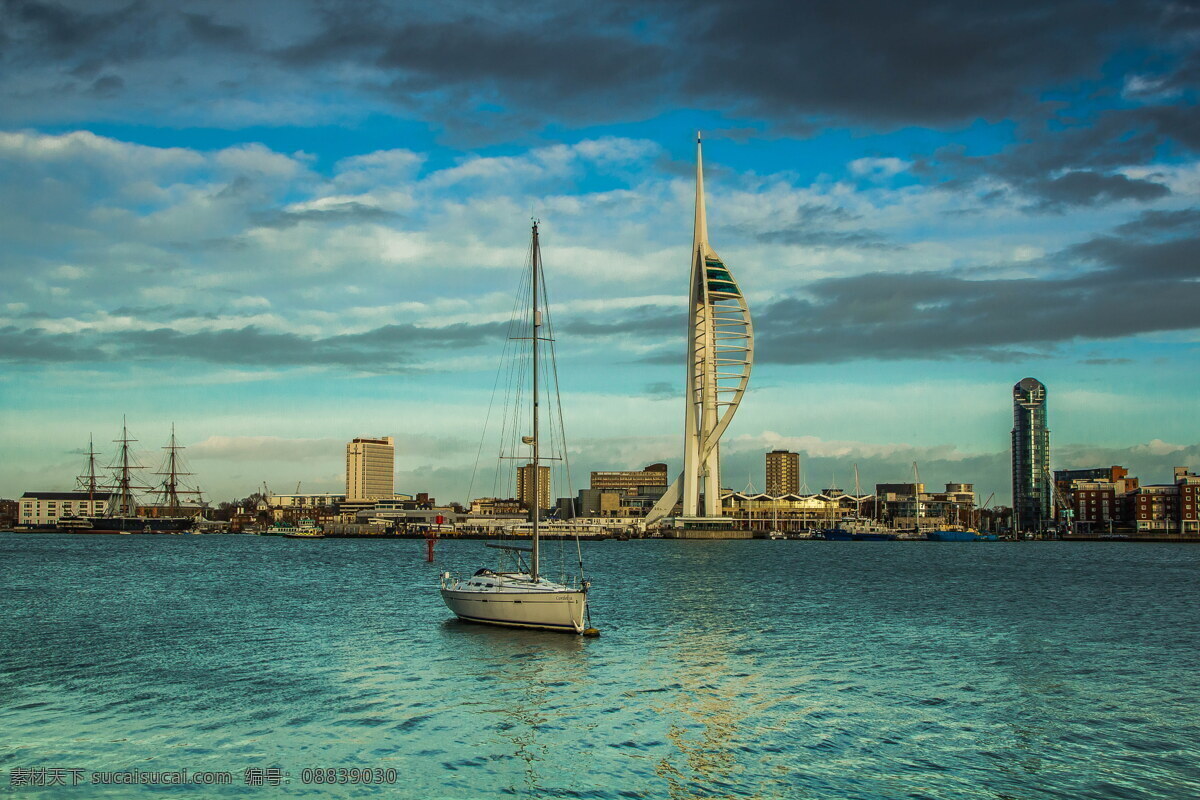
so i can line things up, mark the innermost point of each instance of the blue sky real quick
(281, 225)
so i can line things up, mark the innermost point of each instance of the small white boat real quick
(524, 598)
(516, 599)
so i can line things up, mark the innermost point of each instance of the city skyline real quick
(281, 243)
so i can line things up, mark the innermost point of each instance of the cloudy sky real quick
(280, 225)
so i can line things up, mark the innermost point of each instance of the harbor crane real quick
(983, 507)
(1061, 502)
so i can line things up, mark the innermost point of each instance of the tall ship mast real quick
(88, 482)
(122, 501)
(172, 486)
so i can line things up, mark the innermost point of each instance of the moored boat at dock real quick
(307, 529)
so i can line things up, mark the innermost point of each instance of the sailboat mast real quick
(917, 495)
(537, 321)
(857, 493)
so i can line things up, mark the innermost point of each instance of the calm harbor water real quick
(725, 669)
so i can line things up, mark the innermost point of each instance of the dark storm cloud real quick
(1156, 222)
(816, 237)
(1146, 263)
(1068, 161)
(1143, 278)
(481, 71)
(641, 321)
(108, 86)
(59, 31)
(1133, 287)
(390, 348)
(1085, 188)
(499, 53)
(203, 29)
(661, 390)
(874, 62)
(36, 346)
(812, 225)
(937, 63)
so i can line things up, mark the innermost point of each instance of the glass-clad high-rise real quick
(1030, 457)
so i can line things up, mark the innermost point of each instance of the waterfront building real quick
(790, 512)
(525, 486)
(302, 501)
(623, 493)
(1031, 489)
(955, 506)
(783, 472)
(1095, 505)
(618, 502)
(1064, 477)
(1169, 508)
(720, 354)
(1098, 498)
(495, 506)
(1188, 484)
(44, 509)
(899, 503)
(631, 480)
(905, 505)
(370, 468)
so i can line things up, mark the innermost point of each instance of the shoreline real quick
(734, 536)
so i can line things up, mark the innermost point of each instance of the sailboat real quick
(523, 597)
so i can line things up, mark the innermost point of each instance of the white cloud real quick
(256, 159)
(69, 272)
(248, 301)
(878, 168)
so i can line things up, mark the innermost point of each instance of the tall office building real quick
(370, 469)
(525, 486)
(783, 472)
(1032, 492)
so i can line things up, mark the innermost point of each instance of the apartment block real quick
(525, 486)
(782, 472)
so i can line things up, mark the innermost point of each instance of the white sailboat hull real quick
(556, 609)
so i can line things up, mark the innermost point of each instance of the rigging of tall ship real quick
(122, 512)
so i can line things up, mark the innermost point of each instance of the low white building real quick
(43, 509)
(322, 500)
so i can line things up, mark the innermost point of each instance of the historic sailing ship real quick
(122, 514)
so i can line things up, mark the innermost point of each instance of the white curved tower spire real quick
(719, 357)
